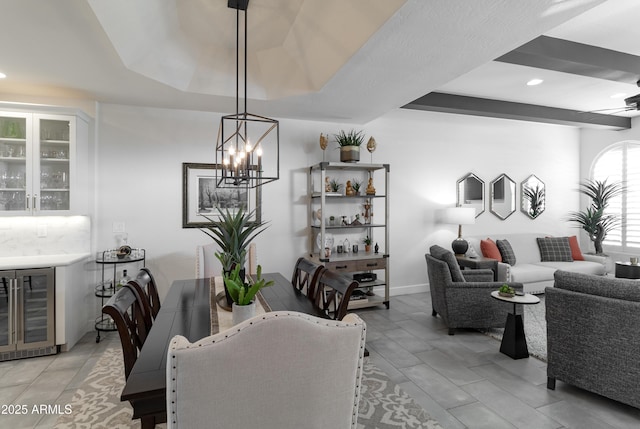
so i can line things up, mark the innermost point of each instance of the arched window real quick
(621, 162)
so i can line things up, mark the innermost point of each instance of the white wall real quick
(139, 181)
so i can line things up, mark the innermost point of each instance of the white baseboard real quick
(409, 289)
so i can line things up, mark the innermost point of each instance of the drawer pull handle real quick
(372, 265)
(341, 267)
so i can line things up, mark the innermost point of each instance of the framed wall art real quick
(201, 197)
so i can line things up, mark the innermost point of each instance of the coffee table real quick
(514, 342)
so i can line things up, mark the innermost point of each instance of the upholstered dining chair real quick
(305, 277)
(463, 297)
(251, 376)
(205, 259)
(127, 310)
(333, 294)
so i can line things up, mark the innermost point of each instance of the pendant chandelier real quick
(248, 145)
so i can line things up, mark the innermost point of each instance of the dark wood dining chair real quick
(147, 284)
(305, 277)
(333, 294)
(127, 311)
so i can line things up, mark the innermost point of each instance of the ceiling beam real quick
(577, 58)
(464, 105)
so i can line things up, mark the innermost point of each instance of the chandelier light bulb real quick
(232, 150)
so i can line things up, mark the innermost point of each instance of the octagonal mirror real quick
(502, 202)
(470, 193)
(532, 196)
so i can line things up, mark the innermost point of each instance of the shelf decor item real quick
(367, 244)
(349, 144)
(243, 138)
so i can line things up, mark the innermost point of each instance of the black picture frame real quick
(201, 196)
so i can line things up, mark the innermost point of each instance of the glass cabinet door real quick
(53, 164)
(7, 303)
(36, 319)
(14, 169)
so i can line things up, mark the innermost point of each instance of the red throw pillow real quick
(490, 249)
(576, 253)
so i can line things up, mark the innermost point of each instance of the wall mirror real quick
(502, 202)
(532, 196)
(470, 193)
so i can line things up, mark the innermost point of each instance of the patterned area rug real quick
(535, 329)
(96, 404)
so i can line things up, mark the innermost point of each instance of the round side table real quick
(514, 342)
(627, 270)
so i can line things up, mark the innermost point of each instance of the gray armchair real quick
(463, 298)
(593, 340)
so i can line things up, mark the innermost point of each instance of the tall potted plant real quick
(594, 220)
(233, 232)
(349, 144)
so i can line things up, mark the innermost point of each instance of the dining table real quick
(186, 311)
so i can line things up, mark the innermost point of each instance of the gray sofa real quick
(528, 269)
(463, 298)
(593, 335)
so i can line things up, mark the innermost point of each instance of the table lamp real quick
(459, 216)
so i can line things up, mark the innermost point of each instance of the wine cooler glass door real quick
(35, 314)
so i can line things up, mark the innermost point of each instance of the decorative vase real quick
(240, 313)
(350, 153)
(367, 248)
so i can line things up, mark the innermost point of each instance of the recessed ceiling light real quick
(534, 82)
(619, 95)
(2, 75)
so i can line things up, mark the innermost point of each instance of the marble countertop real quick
(40, 261)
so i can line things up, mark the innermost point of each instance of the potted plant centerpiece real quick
(233, 232)
(243, 293)
(349, 144)
(594, 220)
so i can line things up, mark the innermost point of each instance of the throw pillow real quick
(489, 249)
(554, 249)
(576, 253)
(447, 256)
(506, 251)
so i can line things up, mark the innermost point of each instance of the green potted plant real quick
(233, 232)
(367, 244)
(349, 144)
(356, 185)
(594, 220)
(335, 186)
(243, 293)
(506, 291)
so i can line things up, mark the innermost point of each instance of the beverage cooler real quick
(27, 319)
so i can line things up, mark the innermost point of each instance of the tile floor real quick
(463, 380)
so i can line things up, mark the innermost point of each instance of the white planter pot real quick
(240, 313)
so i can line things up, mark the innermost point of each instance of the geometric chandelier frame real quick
(248, 145)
